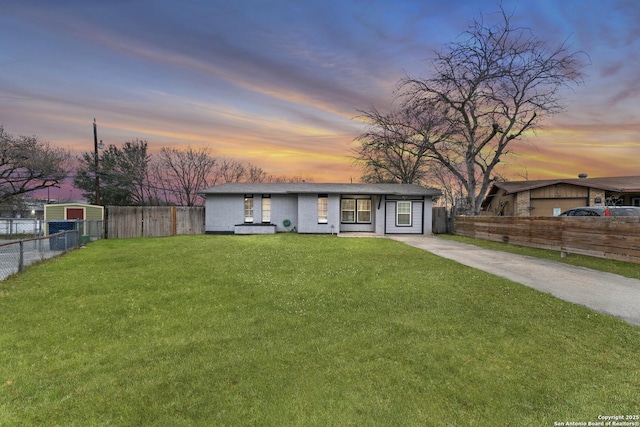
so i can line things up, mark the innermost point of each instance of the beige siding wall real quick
(560, 191)
(546, 201)
(501, 204)
(54, 212)
(91, 212)
(547, 207)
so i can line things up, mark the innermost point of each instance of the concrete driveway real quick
(603, 292)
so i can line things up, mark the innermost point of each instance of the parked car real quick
(603, 211)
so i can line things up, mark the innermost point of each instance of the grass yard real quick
(292, 330)
(626, 269)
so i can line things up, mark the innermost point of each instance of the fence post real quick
(174, 221)
(21, 259)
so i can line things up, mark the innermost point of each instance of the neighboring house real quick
(553, 196)
(318, 208)
(22, 207)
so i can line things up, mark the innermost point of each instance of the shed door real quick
(75, 213)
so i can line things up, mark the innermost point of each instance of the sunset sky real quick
(279, 83)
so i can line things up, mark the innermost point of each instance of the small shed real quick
(88, 214)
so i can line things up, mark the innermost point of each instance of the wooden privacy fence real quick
(439, 223)
(605, 237)
(153, 221)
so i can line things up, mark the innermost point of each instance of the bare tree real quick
(28, 164)
(135, 163)
(182, 173)
(255, 174)
(487, 89)
(452, 193)
(395, 146)
(493, 85)
(229, 170)
(281, 179)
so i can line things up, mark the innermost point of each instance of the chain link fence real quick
(21, 228)
(61, 237)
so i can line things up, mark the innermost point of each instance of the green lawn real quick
(292, 330)
(626, 269)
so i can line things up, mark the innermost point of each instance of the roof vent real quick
(582, 176)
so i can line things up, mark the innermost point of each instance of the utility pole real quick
(95, 158)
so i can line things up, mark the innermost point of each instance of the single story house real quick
(553, 196)
(245, 208)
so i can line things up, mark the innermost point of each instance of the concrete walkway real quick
(603, 292)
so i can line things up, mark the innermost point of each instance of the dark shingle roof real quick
(304, 187)
(621, 184)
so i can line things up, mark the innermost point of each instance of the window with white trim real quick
(355, 211)
(323, 209)
(348, 210)
(403, 213)
(266, 208)
(248, 208)
(364, 210)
